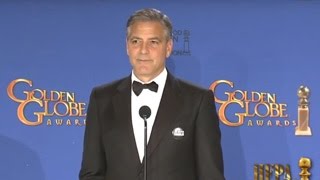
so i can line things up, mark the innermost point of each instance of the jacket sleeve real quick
(93, 165)
(209, 158)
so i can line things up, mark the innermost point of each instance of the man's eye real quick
(134, 41)
(154, 42)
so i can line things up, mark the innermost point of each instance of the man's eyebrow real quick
(134, 37)
(149, 39)
(155, 38)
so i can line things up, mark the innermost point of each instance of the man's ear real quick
(169, 47)
(127, 46)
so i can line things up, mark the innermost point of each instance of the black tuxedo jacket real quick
(110, 151)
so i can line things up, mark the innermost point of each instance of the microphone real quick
(145, 113)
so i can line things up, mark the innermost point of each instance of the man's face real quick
(148, 49)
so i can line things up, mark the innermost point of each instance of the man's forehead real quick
(149, 38)
(147, 30)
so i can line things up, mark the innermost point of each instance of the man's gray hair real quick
(150, 14)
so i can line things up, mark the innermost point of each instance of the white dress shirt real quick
(148, 98)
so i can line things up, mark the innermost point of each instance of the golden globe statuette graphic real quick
(304, 164)
(303, 128)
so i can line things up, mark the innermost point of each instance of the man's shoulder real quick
(110, 87)
(188, 86)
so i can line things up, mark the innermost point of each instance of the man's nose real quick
(144, 48)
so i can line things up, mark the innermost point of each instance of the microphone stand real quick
(145, 113)
(145, 148)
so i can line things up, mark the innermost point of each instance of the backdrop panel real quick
(253, 55)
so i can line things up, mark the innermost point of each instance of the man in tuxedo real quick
(183, 129)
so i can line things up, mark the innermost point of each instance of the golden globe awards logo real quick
(257, 108)
(52, 107)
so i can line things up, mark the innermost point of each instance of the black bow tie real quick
(138, 87)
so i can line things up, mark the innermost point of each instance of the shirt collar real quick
(160, 79)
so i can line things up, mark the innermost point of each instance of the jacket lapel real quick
(122, 108)
(168, 110)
